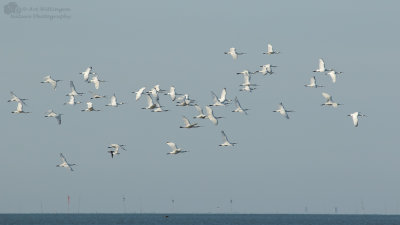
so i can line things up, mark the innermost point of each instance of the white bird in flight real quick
(139, 93)
(90, 108)
(96, 96)
(150, 103)
(114, 102)
(158, 89)
(266, 69)
(19, 108)
(73, 90)
(225, 141)
(48, 79)
(172, 93)
(51, 113)
(216, 100)
(333, 74)
(329, 101)
(313, 83)
(65, 164)
(86, 73)
(247, 86)
(223, 98)
(321, 67)
(234, 53)
(211, 117)
(14, 98)
(239, 107)
(246, 80)
(281, 109)
(96, 81)
(246, 73)
(116, 148)
(270, 51)
(354, 116)
(187, 123)
(175, 150)
(72, 101)
(154, 93)
(184, 101)
(201, 114)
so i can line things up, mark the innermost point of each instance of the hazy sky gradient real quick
(316, 159)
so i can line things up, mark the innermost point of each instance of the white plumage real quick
(65, 164)
(354, 116)
(225, 141)
(329, 101)
(51, 113)
(239, 107)
(48, 79)
(187, 123)
(281, 109)
(113, 102)
(270, 50)
(313, 83)
(86, 73)
(234, 53)
(175, 150)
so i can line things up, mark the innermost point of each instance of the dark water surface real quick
(199, 219)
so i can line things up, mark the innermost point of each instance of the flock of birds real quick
(152, 97)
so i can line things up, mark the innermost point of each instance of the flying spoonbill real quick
(172, 93)
(175, 150)
(89, 108)
(73, 90)
(65, 164)
(200, 110)
(321, 66)
(116, 148)
(211, 117)
(239, 108)
(158, 89)
(95, 80)
(329, 101)
(184, 101)
(233, 53)
(51, 113)
(86, 73)
(150, 104)
(313, 83)
(14, 98)
(96, 96)
(188, 124)
(19, 108)
(281, 109)
(225, 140)
(246, 73)
(48, 79)
(270, 51)
(139, 93)
(333, 74)
(266, 69)
(154, 93)
(114, 102)
(355, 116)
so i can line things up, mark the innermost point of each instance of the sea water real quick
(198, 219)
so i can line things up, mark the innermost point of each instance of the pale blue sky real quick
(316, 159)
